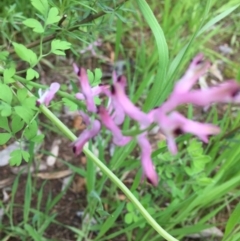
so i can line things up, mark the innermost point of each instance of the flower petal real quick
(49, 94)
(85, 136)
(148, 167)
(108, 122)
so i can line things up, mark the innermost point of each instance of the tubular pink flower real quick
(49, 94)
(196, 69)
(86, 88)
(147, 165)
(119, 95)
(85, 136)
(107, 121)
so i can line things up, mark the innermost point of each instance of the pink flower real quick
(148, 167)
(119, 96)
(85, 136)
(107, 121)
(48, 95)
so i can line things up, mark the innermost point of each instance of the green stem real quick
(109, 174)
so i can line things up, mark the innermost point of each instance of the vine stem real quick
(109, 174)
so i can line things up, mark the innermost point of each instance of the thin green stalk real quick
(108, 173)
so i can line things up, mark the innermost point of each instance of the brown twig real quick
(88, 19)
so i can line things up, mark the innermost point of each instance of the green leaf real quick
(25, 54)
(22, 94)
(5, 93)
(38, 138)
(4, 123)
(31, 130)
(90, 77)
(34, 24)
(30, 103)
(4, 55)
(97, 76)
(41, 5)
(25, 155)
(5, 109)
(4, 137)
(53, 16)
(72, 106)
(25, 113)
(17, 124)
(8, 74)
(128, 218)
(16, 158)
(58, 45)
(31, 74)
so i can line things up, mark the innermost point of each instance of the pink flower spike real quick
(196, 69)
(49, 94)
(119, 95)
(108, 122)
(85, 136)
(201, 130)
(86, 88)
(147, 165)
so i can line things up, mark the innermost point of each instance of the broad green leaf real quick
(8, 74)
(31, 130)
(5, 93)
(25, 113)
(72, 106)
(41, 5)
(5, 109)
(17, 124)
(4, 123)
(38, 138)
(30, 103)
(31, 74)
(25, 54)
(4, 137)
(53, 16)
(34, 24)
(128, 218)
(16, 158)
(58, 45)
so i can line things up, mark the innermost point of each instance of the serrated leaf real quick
(25, 54)
(31, 130)
(31, 74)
(53, 16)
(17, 124)
(34, 24)
(25, 155)
(41, 5)
(4, 138)
(5, 93)
(25, 113)
(16, 158)
(58, 45)
(4, 123)
(8, 74)
(22, 94)
(72, 106)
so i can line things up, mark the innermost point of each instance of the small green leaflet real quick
(4, 123)
(53, 16)
(8, 74)
(25, 113)
(94, 78)
(25, 54)
(4, 55)
(41, 5)
(5, 109)
(4, 137)
(17, 123)
(58, 45)
(31, 131)
(31, 74)
(34, 24)
(17, 156)
(6, 93)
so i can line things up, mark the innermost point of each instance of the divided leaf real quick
(34, 24)
(5, 93)
(58, 45)
(31, 74)
(8, 74)
(41, 5)
(17, 124)
(53, 16)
